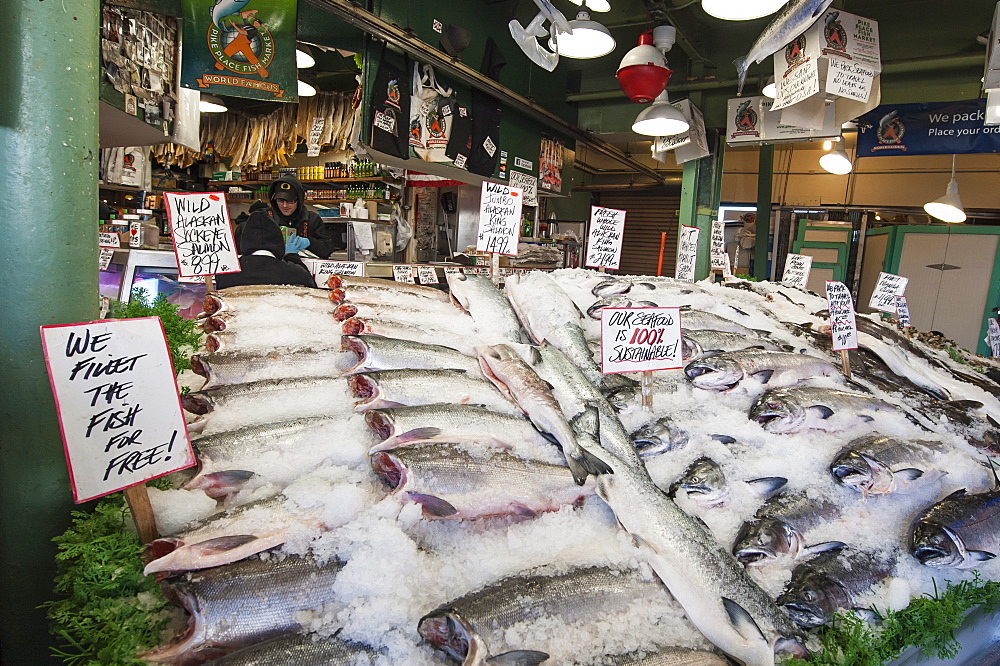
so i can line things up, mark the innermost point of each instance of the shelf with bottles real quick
(335, 172)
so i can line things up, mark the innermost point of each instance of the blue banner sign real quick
(942, 128)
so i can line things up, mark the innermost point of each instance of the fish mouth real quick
(755, 556)
(934, 556)
(213, 324)
(380, 423)
(337, 296)
(354, 326)
(344, 311)
(196, 404)
(335, 282)
(185, 643)
(766, 418)
(807, 616)
(693, 370)
(212, 304)
(852, 477)
(446, 630)
(389, 470)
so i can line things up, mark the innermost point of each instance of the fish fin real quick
(740, 311)
(992, 421)
(858, 386)
(824, 411)
(549, 437)
(639, 541)
(909, 474)
(764, 376)
(434, 506)
(817, 548)
(869, 419)
(981, 555)
(766, 485)
(518, 658)
(534, 356)
(724, 439)
(958, 493)
(585, 464)
(521, 510)
(742, 621)
(217, 484)
(742, 65)
(418, 434)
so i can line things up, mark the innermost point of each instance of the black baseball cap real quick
(285, 191)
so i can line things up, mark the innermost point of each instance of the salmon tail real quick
(742, 65)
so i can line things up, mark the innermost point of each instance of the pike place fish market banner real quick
(242, 48)
(927, 129)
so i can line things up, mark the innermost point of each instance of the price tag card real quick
(203, 238)
(105, 259)
(797, 269)
(135, 234)
(403, 273)
(452, 270)
(902, 312)
(718, 247)
(639, 339)
(499, 218)
(108, 239)
(687, 253)
(527, 183)
(604, 247)
(993, 337)
(322, 270)
(727, 268)
(843, 325)
(118, 404)
(887, 288)
(427, 275)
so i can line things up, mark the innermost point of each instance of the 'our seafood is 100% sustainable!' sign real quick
(640, 339)
(117, 401)
(203, 239)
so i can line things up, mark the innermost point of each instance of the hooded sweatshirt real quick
(305, 222)
(262, 257)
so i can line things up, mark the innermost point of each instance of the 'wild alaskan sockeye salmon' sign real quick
(118, 404)
(640, 339)
(203, 238)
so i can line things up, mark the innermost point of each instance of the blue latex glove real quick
(296, 243)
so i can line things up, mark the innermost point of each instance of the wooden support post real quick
(142, 512)
(845, 360)
(647, 391)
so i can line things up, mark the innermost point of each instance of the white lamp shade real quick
(837, 162)
(661, 118)
(740, 10)
(303, 58)
(306, 89)
(595, 5)
(211, 104)
(586, 39)
(949, 207)
(770, 88)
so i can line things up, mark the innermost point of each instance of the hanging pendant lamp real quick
(586, 39)
(837, 161)
(661, 118)
(949, 207)
(741, 10)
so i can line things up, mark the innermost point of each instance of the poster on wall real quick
(241, 48)
(550, 164)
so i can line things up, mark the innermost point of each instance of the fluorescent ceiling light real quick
(211, 104)
(741, 10)
(661, 118)
(594, 5)
(303, 57)
(306, 89)
(837, 161)
(949, 207)
(586, 39)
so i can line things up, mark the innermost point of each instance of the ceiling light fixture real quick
(837, 161)
(770, 88)
(211, 104)
(949, 207)
(741, 10)
(586, 39)
(643, 73)
(306, 88)
(594, 5)
(661, 118)
(303, 57)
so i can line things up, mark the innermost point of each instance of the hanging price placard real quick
(203, 238)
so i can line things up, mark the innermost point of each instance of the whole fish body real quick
(378, 353)
(381, 295)
(795, 409)
(262, 340)
(349, 282)
(472, 629)
(832, 582)
(669, 656)
(244, 603)
(222, 368)
(301, 650)
(489, 308)
(247, 298)
(265, 316)
(960, 531)
(449, 481)
(698, 320)
(879, 465)
(464, 341)
(727, 370)
(698, 343)
(796, 17)
(777, 530)
(446, 317)
(397, 388)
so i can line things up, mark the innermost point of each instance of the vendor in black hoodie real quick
(262, 257)
(287, 198)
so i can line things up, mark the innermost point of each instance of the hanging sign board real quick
(718, 246)
(118, 403)
(797, 269)
(105, 259)
(927, 129)
(689, 145)
(604, 247)
(202, 235)
(427, 275)
(499, 218)
(902, 312)
(752, 120)
(887, 288)
(843, 325)
(687, 253)
(527, 183)
(108, 239)
(993, 338)
(403, 273)
(640, 339)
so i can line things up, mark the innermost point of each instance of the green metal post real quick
(701, 189)
(765, 177)
(48, 275)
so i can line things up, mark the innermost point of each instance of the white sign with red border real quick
(604, 246)
(118, 404)
(843, 325)
(499, 218)
(640, 339)
(403, 273)
(887, 288)
(203, 238)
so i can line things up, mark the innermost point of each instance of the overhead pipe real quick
(400, 38)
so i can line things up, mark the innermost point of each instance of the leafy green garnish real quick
(929, 623)
(109, 611)
(183, 337)
(956, 355)
(745, 276)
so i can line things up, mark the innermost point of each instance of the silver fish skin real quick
(660, 436)
(451, 482)
(796, 17)
(594, 311)
(668, 656)
(461, 340)
(223, 368)
(243, 603)
(489, 308)
(378, 353)
(386, 296)
(248, 297)
(472, 629)
(879, 465)
(726, 371)
(399, 425)
(777, 530)
(698, 320)
(397, 388)
(960, 531)
(443, 316)
(831, 582)
(348, 282)
(301, 650)
(698, 343)
(703, 481)
(795, 409)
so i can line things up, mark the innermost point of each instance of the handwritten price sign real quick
(887, 288)
(797, 269)
(322, 270)
(427, 275)
(403, 273)
(902, 312)
(203, 239)
(604, 247)
(499, 218)
(639, 339)
(687, 253)
(104, 260)
(718, 246)
(117, 400)
(843, 325)
(108, 239)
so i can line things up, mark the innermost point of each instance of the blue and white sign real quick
(943, 128)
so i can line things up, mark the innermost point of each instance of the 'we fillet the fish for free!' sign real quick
(118, 404)
(203, 239)
(604, 247)
(640, 339)
(843, 325)
(499, 218)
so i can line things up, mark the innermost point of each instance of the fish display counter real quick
(394, 474)
(154, 271)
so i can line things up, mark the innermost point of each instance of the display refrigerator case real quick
(155, 272)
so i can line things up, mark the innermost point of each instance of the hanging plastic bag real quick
(431, 107)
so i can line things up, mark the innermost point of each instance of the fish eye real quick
(809, 595)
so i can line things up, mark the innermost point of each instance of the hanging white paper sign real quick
(797, 269)
(687, 253)
(499, 218)
(887, 288)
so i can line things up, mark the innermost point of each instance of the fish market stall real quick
(392, 474)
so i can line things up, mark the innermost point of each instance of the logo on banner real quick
(795, 52)
(435, 122)
(392, 93)
(746, 120)
(240, 42)
(836, 36)
(890, 132)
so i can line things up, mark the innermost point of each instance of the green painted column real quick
(701, 189)
(48, 275)
(765, 177)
